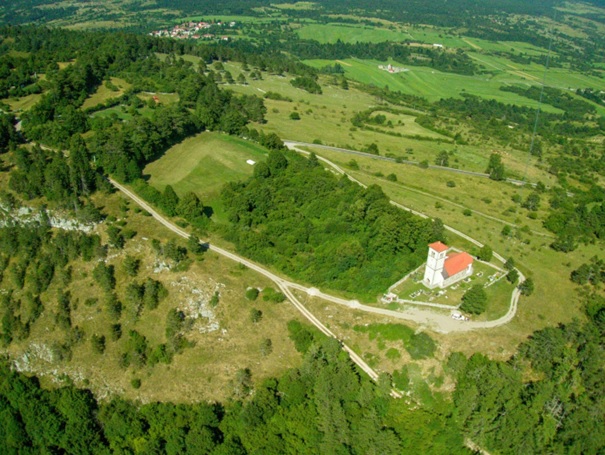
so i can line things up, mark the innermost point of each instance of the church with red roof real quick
(445, 267)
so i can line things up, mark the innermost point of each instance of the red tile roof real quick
(439, 247)
(456, 263)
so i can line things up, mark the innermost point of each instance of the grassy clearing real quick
(203, 164)
(24, 103)
(103, 93)
(164, 98)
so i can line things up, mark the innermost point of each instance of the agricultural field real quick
(434, 85)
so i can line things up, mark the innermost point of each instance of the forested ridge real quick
(324, 229)
(325, 406)
(453, 13)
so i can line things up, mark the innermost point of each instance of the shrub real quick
(256, 315)
(421, 346)
(512, 276)
(485, 253)
(252, 294)
(527, 287)
(474, 300)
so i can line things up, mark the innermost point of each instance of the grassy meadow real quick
(203, 164)
(103, 93)
(435, 85)
(327, 118)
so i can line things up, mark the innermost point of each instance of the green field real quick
(330, 33)
(327, 118)
(103, 93)
(203, 164)
(433, 84)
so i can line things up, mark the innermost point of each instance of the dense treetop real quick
(323, 229)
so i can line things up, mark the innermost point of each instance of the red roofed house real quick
(443, 269)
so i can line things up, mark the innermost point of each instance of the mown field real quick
(203, 164)
(434, 85)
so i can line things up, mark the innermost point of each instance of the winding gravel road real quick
(284, 285)
(436, 321)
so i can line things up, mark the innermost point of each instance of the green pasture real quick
(330, 33)
(300, 6)
(510, 72)
(515, 47)
(406, 125)
(203, 164)
(433, 35)
(432, 84)
(429, 191)
(164, 98)
(103, 93)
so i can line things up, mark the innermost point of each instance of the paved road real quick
(291, 144)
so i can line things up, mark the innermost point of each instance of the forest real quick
(323, 229)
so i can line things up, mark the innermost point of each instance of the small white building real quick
(443, 269)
